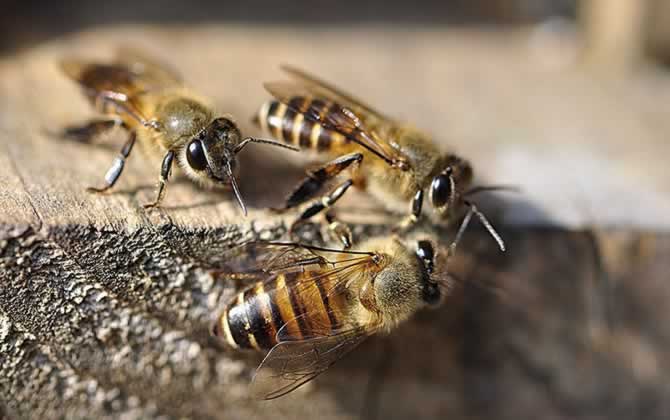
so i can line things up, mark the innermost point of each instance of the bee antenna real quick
(485, 222)
(459, 234)
(264, 141)
(236, 190)
(487, 188)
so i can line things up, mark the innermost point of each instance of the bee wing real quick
(287, 256)
(132, 73)
(260, 257)
(322, 108)
(326, 338)
(98, 78)
(276, 257)
(148, 67)
(291, 364)
(322, 88)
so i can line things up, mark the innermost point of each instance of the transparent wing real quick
(326, 275)
(335, 281)
(131, 74)
(99, 78)
(324, 89)
(149, 68)
(286, 256)
(331, 115)
(253, 256)
(326, 338)
(276, 257)
(291, 364)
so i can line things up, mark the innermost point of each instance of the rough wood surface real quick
(104, 309)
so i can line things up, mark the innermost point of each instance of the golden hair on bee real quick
(150, 101)
(399, 165)
(309, 306)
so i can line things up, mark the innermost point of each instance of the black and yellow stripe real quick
(297, 124)
(256, 314)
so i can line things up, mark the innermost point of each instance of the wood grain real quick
(105, 308)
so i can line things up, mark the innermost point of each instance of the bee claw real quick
(94, 190)
(338, 231)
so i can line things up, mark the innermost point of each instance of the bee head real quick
(213, 152)
(410, 278)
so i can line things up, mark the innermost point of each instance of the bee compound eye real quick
(195, 155)
(440, 190)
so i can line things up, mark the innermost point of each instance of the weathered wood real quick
(104, 308)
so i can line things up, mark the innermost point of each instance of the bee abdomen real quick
(297, 124)
(251, 321)
(256, 315)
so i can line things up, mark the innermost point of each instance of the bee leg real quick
(166, 168)
(116, 169)
(338, 230)
(415, 213)
(325, 202)
(87, 132)
(120, 103)
(315, 180)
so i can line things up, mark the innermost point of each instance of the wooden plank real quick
(505, 115)
(113, 302)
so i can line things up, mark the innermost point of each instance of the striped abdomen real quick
(253, 318)
(292, 127)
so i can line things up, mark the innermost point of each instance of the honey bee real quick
(310, 306)
(401, 164)
(150, 101)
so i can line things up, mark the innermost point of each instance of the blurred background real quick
(631, 28)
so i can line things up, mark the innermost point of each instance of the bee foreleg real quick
(414, 214)
(87, 132)
(166, 168)
(315, 180)
(116, 169)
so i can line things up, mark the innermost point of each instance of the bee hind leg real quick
(114, 172)
(337, 228)
(317, 179)
(86, 133)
